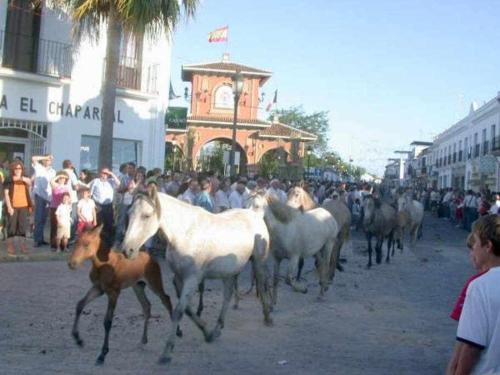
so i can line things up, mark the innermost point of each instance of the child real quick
(63, 215)
(87, 217)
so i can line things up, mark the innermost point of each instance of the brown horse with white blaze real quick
(110, 273)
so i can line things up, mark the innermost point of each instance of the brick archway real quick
(223, 139)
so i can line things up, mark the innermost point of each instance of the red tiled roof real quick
(223, 67)
(228, 120)
(277, 130)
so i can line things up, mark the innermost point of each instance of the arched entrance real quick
(275, 163)
(22, 139)
(214, 156)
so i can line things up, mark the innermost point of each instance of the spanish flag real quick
(218, 35)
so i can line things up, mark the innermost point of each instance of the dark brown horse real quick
(111, 272)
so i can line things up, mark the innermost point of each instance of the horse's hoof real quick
(387, 260)
(268, 322)
(235, 307)
(179, 333)
(368, 266)
(212, 335)
(164, 360)
(144, 341)
(78, 340)
(320, 299)
(99, 361)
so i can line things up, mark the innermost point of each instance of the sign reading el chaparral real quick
(85, 112)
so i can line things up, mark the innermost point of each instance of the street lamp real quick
(308, 152)
(237, 90)
(174, 145)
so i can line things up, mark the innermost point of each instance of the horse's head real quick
(401, 203)
(86, 247)
(368, 209)
(144, 222)
(299, 198)
(257, 201)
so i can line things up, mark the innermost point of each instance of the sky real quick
(388, 72)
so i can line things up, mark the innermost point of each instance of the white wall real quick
(142, 113)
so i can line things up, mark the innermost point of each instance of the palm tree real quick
(137, 17)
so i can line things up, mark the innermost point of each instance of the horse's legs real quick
(378, 249)
(390, 241)
(108, 320)
(228, 293)
(334, 258)
(237, 296)
(276, 280)
(146, 307)
(201, 290)
(91, 295)
(262, 288)
(369, 240)
(292, 271)
(322, 263)
(186, 289)
(300, 266)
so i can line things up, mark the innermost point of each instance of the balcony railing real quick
(131, 75)
(35, 55)
(495, 143)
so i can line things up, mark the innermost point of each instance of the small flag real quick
(171, 93)
(271, 105)
(219, 35)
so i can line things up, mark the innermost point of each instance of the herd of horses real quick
(201, 245)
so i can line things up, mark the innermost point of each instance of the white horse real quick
(297, 234)
(415, 211)
(200, 245)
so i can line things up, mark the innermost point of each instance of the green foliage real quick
(315, 123)
(268, 165)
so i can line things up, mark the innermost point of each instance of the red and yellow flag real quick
(218, 35)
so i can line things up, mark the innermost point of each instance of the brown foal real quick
(111, 272)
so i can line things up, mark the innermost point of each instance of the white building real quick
(50, 91)
(465, 155)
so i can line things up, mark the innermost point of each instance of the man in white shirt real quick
(189, 196)
(222, 196)
(237, 196)
(495, 206)
(102, 190)
(276, 192)
(479, 325)
(42, 194)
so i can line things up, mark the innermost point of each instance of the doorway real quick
(12, 148)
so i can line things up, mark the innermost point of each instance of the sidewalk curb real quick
(33, 257)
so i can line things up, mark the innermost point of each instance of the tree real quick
(269, 164)
(315, 123)
(137, 17)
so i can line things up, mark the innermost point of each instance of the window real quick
(494, 142)
(22, 31)
(129, 69)
(224, 97)
(124, 150)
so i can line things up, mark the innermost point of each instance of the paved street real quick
(392, 319)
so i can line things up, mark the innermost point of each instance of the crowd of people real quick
(74, 202)
(461, 207)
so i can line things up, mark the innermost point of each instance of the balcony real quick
(35, 55)
(132, 76)
(454, 157)
(476, 150)
(485, 147)
(495, 146)
(460, 154)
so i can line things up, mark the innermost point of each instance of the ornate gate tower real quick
(211, 117)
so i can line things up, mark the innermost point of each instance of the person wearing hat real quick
(102, 190)
(59, 185)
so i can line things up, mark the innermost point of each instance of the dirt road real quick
(392, 319)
